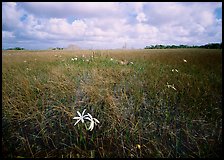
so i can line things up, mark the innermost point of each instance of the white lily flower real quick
(89, 117)
(81, 117)
(92, 121)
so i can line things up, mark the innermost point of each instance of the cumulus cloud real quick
(109, 24)
(77, 9)
(141, 17)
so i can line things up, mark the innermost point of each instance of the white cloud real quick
(141, 17)
(111, 24)
(76, 9)
(7, 35)
(10, 16)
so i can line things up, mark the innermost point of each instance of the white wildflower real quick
(171, 86)
(111, 59)
(74, 59)
(80, 118)
(174, 70)
(89, 117)
(92, 121)
(185, 60)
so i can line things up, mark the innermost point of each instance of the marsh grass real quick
(132, 102)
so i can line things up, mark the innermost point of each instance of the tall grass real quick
(139, 115)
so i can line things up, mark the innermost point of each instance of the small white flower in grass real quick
(111, 59)
(171, 86)
(92, 121)
(24, 61)
(80, 118)
(174, 70)
(185, 60)
(131, 63)
(74, 59)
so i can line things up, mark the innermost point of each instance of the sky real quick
(109, 25)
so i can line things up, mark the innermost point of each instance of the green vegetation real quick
(57, 48)
(207, 46)
(139, 115)
(16, 48)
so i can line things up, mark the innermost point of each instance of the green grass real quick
(132, 102)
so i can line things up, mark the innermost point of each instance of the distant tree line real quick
(57, 48)
(208, 46)
(16, 48)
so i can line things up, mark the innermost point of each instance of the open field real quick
(139, 114)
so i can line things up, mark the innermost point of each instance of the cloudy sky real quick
(109, 25)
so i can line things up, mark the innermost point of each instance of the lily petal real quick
(79, 113)
(96, 120)
(90, 115)
(76, 122)
(91, 126)
(83, 112)
(88, 118)
(76, 118)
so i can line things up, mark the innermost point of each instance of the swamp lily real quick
(93, 121)
(80, 118)
(89, 117)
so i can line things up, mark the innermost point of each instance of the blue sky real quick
(109, 25)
